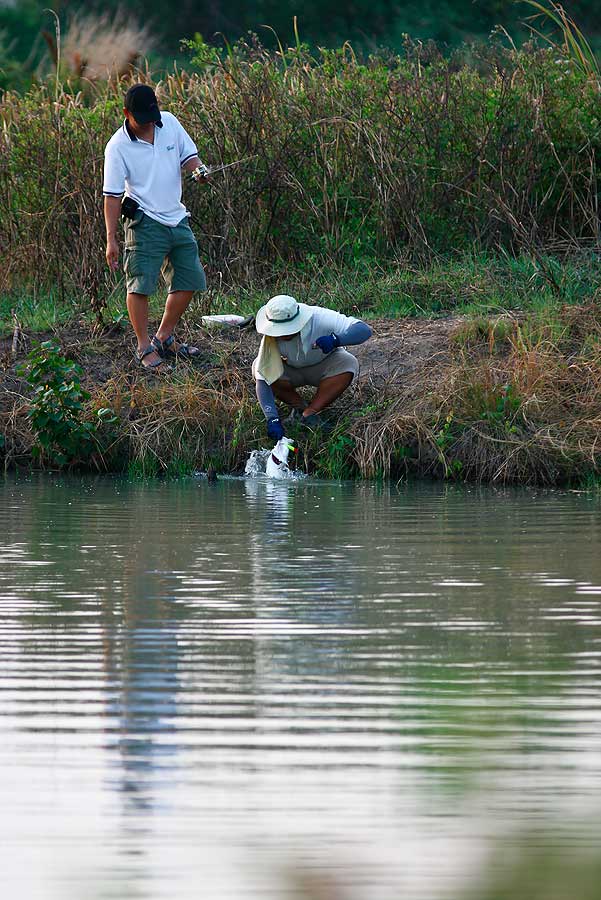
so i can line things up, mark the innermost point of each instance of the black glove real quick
(328, 342)
(274, 429)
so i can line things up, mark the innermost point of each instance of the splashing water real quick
(273, 463)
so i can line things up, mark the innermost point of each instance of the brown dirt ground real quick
(398, 348)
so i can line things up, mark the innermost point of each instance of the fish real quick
(277, 461)
(273, 463)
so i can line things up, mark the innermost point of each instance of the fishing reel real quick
(200, 173)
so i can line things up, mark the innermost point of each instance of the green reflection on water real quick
(435, 643)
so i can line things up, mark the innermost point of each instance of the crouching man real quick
(303, 345)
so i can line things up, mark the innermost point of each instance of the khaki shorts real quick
(335, 363)
(152, 248)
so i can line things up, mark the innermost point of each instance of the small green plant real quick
(502, 407)
(496, 333)
(239, 423)
(180, 467)
(142, 467)
(56, 411)
(204, 55)
(335, 460)
(591, 482)
(399, 460)
(445, 437)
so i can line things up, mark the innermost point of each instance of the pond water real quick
(256, 690)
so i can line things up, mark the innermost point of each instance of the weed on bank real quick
(501, 399)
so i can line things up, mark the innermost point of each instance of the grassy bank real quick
(470, 283)
(508, 398)
(451, 201)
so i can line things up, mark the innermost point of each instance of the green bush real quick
(352, 163)
(56, 412)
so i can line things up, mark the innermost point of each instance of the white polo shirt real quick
(150, 173)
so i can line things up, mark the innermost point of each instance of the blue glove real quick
(328, 342)
(274, 429)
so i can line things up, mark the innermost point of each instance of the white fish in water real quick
(277, 461)
(273, 463)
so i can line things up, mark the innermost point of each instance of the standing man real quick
(144, 160)
(303, 345)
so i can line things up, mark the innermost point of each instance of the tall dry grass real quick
(103, 46)
(524, 409)
(386, 159)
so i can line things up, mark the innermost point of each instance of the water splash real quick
(272, 463)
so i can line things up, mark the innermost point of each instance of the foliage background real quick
(368, 24)
(350, 165)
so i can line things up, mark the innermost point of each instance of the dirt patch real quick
(398, 347)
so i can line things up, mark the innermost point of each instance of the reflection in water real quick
(201, 683)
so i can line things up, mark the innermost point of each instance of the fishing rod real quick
(198, 175)
(202, 172)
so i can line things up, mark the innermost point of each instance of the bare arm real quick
(191, 165)
(112, 211)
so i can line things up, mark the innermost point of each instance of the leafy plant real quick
(445, 436)
(56, 413)
(335, 460)
(502, 406)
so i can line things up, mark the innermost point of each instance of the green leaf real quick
(106, 414)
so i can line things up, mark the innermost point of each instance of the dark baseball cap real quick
(141, 102)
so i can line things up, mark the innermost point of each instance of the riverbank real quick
(513, 398)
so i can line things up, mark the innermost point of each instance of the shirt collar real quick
(130, 133)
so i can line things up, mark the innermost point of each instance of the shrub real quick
(351, 162)
(56, 410)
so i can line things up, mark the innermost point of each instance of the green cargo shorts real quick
(152, 248)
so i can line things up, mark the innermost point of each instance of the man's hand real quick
(197, 171)
(275, 430)
(200, 174)
(328, 342)
(112, 253)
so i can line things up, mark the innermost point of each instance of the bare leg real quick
(137, 309)
(329, 390)
(176, 305)
(284, 391)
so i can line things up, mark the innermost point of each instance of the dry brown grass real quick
(189, 421)
(526, 410)
(101, 47)
(529, 414)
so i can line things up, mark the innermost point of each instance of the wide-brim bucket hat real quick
(282, 315)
